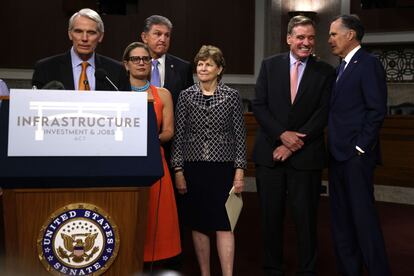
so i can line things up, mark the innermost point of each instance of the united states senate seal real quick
(78, 239)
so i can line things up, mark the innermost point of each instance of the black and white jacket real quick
(213, 131)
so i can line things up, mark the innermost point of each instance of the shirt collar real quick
(76, 60)
(351, 54)
(293, 59)
(161, 60)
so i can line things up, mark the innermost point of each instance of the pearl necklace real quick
(142, 88)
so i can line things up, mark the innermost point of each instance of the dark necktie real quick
(341, 69)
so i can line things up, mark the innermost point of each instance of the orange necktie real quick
(83, 79)
(294, 80)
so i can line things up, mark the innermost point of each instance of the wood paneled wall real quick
(32, 30)
(395, 16)
(397, 146)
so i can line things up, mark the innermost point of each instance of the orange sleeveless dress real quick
(166, 232)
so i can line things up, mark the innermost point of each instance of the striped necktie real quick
(341, 69)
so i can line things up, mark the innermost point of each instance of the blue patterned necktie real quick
(341, 69)
(155, 74)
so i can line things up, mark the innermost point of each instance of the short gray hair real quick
(156, 20)
(352, 22)
(91, 14)
(299, 20)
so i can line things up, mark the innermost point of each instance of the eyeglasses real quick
(138, 59)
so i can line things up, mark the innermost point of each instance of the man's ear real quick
(288, 39)
(351, 34)
(144, 37)
(101, 38)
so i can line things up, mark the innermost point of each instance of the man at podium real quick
(4, 90)
(81, 68)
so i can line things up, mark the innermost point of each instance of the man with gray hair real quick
(291, 108)
(168, 71)
(174, 74)
(75, 69)
(4, 90)
(356, 114)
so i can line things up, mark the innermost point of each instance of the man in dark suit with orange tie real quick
(291, 108)
(75, 69)
(357, 110)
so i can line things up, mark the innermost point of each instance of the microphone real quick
(101, 74)
(54, 85)
(86, 84)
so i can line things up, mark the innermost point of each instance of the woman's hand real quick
(180, 182)
(238, 182)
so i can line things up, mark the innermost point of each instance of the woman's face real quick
(207, 70)
(139, 63)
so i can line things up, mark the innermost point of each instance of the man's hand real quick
(281, 153)
(292, 140)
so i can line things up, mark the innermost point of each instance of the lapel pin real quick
(172, 66)
(355, 61)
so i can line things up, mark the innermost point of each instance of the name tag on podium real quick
(74, 123)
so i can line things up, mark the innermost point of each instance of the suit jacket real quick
(213, 131)
(178, 76)
(358, 107)
(275, 113)
(59, 68)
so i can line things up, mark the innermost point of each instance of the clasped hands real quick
(292, 141)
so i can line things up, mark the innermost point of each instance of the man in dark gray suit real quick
(86, 31)
(175, 73)
(291, 108)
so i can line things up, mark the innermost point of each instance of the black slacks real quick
(356, 229)
(280, 187)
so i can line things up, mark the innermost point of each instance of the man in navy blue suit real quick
(357, 109)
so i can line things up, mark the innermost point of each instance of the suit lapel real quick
(67, 72)
(169, 72)
(285, 78)
(98, 64)
(306, 78)
(353, 63)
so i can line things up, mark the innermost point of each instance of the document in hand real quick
(234, 206)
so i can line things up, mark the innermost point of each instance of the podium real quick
(36, 188)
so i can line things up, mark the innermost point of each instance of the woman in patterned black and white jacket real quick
(209, 156)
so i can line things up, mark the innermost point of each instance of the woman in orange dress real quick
(163, 235)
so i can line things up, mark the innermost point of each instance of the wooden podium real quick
(35, 187)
